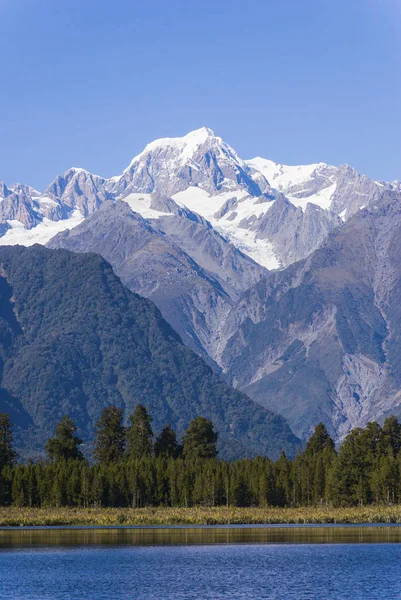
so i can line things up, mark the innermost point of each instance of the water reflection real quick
(25, 538)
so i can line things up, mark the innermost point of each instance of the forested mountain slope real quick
(74, 339)
(181, 263)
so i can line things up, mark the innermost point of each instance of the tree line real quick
(130, 468)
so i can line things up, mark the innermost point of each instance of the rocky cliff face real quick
(342, 190)
(293, 232)
(199, 159)
(78, 189)
(179, 261)
(320, 340)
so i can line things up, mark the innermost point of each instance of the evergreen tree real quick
(240, 492)
(31, 485)
(166, 443)
(365, 470)
(319, 482)
(19, 486)
(8, 455)
(200, 439)
(139, 433)
(110, 436)
(390, 438)
(6, 480)
(319, 441)
(64, 445)
(353, 473)
(283, 481)
(318, 456)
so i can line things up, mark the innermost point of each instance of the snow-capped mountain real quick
(195, 228)
(341, 190)
(273, 213)
(200, 159)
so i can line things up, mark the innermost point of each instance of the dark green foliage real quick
(166, 443)
(391, 436)
(110, 436)
(7, 453)
(74, 340)
(200, 439)
(364, 471)
(64, 445)
(319, 442)
(139, 434)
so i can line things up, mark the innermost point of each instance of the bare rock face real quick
(354, 191)
(294, 232)
(320, 340)
(19, 204)
(80, 189)
(200, 159)
(179, 261)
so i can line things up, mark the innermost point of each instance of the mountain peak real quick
(198, 159)
(190, 142)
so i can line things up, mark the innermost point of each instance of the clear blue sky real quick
(89, 82)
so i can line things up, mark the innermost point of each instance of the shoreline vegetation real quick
(45, 517)
(138, 481)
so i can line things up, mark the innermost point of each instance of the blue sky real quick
(89, 82)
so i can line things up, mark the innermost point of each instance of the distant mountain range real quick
(273, 213)
(231, 252)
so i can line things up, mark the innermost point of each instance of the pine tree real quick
(390, 438)
(8, 455)
(64, 445)
(110, 436)
(31, 485)
(319, 482)
(19, 486)
(318, 441)
(354, 463)
(139, 434)
(166, 443)
(200, 439)
(283, 491)
(318, 456)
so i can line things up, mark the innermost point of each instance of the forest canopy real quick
(145, 471)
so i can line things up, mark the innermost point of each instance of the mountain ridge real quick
(319, 339)
(73, 340)
(204, 174)
(225, 255)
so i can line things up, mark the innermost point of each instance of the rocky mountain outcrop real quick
(293, 233)
(179, 261)
(319, 341)
(80, 189)
(199, 159)
(342, 190)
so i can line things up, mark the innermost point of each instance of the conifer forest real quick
(132, 468)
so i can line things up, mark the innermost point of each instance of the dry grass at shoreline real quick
(13, 516)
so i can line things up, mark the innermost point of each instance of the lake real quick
(247, 563)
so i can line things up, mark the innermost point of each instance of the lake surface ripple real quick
(249, 563)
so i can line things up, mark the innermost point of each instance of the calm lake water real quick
(201, 563)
